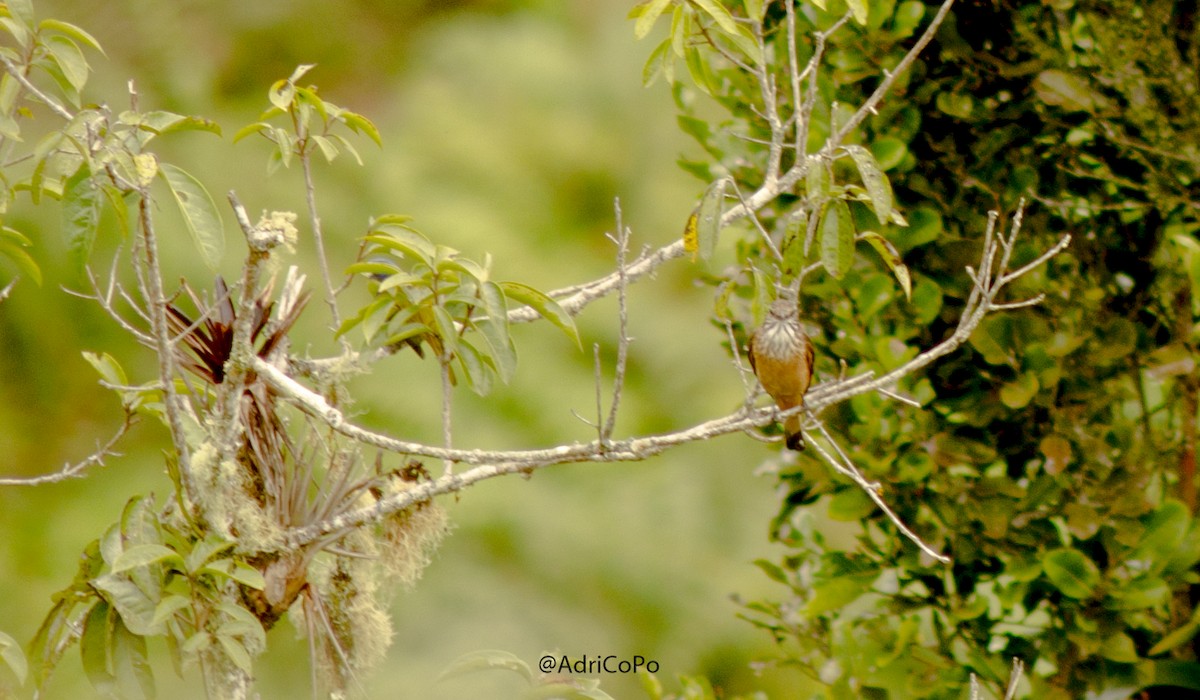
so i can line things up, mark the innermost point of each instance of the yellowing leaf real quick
(878, 187)
(891, 257)
(691, 239)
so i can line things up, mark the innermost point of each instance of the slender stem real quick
(150, 278)
(310, 198)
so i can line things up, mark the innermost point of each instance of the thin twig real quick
(310, 198)
(623, 339)
(70, 471)
(37, 92)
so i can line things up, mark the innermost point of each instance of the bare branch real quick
(490, 464)
(623, 339)
(71, 471)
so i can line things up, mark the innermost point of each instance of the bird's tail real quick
(795, 438)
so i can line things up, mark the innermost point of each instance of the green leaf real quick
(80, 215)
(13, 657)
(660, 62)
(648, 14)
(1071, 572)
(162, 122)
(1067, 90)
(71, 31)
(1119, 647)
(21, 10)
(858, 8)
(487, 660)
(168, 606)
(361, 125)
(406, 241)
(143, 555)
(107, 366)
(708, 218)
(70, 60)
(907, 18)
(719, 14)
(816, 181)
(247, 575)
(837, 239)
(12, 245)
(95, 651)
(891, 258)
(1178, 636)
(236, 652)
(281, 94)
(925, 225)
(494, 329)
(131, 603)
(836, 594)
(850, 505)
(878, 187)
(475, 366)
(205, 551)
(889, 152)
(255, 128)
(446, 329)
(794, 236)
(1019, 392)
(1165, 530)
(1177, 674)
(544, 305)
(200, 213)
(131, 663)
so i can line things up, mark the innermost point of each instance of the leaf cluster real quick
(427, 294)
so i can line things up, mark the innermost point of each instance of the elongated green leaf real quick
(200, 213)
(135, 607)
(661, 62)
(131, 663)
(14, 250)
(80, 215)
(544, 305)
(878, 187)
(719, 13)
(1071, 572)
(649, 13)
(405, 240)
(446, 330)
(22, 10)
(236, 652)
(837, 239)
(204, 551)
(13, 657)
(891, 258)
(70, 60)
(168, 606)
(162, 122)
(858, 8)
(110, 370)
(361, 125)
(494, 329)
(475, 366)
(143, 555)
(708, 218)
(72, 31)
(95, 651)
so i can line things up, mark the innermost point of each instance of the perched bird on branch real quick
(782, 359)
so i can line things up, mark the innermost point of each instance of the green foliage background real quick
(508, 128)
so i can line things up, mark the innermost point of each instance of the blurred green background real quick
(509, 128)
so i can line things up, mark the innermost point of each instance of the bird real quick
(781, 356)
